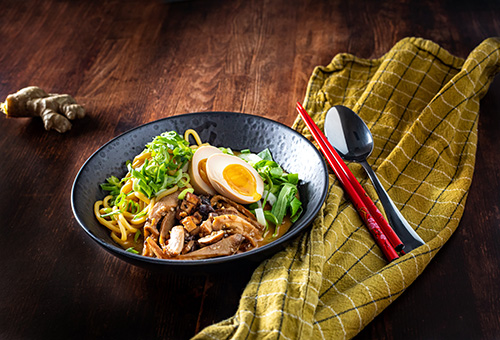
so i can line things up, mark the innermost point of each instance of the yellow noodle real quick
(167, 192)
(125, 223)
(117, 239)
(142, 156)
(105, 201)
(144, 209)
(152, 203)
(127, 217)
(142, 197)
(123, 231)
(191, 132)
(127, 214)
(126, 187)
(139, 221)
(102, 220)
(139, 159)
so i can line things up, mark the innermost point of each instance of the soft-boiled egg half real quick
(198, 170)
(213, 171)
(234, 178)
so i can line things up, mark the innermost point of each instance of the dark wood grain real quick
(131, 62)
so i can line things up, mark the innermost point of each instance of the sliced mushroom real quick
(237, 225)
(225, 247)
(234, 211)
(150, 228)
(188, 247)
(154, 248)
(167, 225)
(160, 209)
(214, 237)
(224, 202)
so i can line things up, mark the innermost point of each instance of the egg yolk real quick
(241, 180)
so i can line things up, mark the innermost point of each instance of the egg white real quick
(199, 185)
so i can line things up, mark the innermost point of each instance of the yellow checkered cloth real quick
(422, 107)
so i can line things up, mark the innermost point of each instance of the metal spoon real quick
(352, 139)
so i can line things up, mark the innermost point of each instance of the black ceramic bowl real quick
(238, 131)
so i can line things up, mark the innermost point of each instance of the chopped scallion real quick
(184, 192)
(132, 250)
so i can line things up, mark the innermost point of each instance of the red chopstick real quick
(343, 174)
(396, 243)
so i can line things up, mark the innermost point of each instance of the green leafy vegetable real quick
(286, 196)
(265, 155)
(109, 212)
(296, 209)
(280, 185)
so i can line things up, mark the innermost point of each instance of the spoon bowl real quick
(349, 134)
(352, 139)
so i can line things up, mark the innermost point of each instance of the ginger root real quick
(54, 109)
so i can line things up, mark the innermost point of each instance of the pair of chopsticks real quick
(378, 226)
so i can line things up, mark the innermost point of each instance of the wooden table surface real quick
(132, 62)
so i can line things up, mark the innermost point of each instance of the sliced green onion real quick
(110, 213)
(137, 235)
(270, 197)
(259, 214)
(270, 217)
(293, 178)
(184, 192)
(132, 250)
(226, 151)
(184, 181)
(250, 158)
(140, 214)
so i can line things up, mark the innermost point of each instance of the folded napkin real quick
(422, 107)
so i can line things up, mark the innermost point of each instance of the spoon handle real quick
(408, 236)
